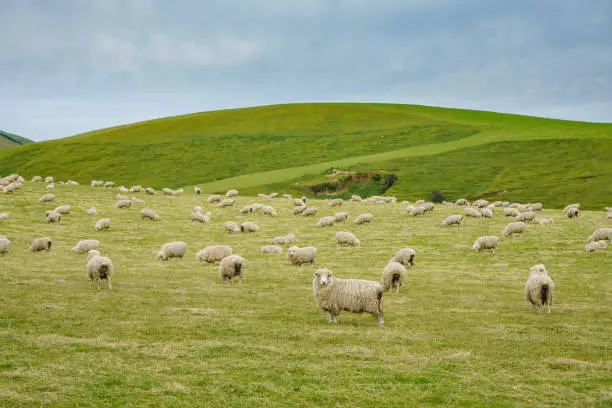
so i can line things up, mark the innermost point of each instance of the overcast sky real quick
(69, 66)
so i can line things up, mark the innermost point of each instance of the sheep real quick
(4, 245)
(472, 212)
(122, 197)
(539, 288)
(199, 217)
(364, 218)
(197, 190)
(309, 211)
(47, 198)
(288, 196)
(11, 188)
(49, 179)
(536, 207)
(486, 242)
(273, 195)
(4, 216)
(214, 198)
(496, 204)
(123, 204)
(271, 249)
(103, 224)
(572, 212)
(505, 204)
(393, 276)
(340, 217)
(63, 209)
(135, 189)
(298, 210)
(511, 212)
(41, 244)
(334, 295)
(232, 228)
(405, 256)
(269, 210)
(172, 250)
(544, 221)
(228, 202)
(85, 246)
(97, 183)
(197, 208)
(231, 193)
(249, 226)
(299, 202)
(50, 186)
(428, 206)
(486, 212)
(601, 234)
(452, 220)
(462, 201)
(336, 202)
(92, 211)
(99, 268)
(299, 256)
(36, 179)
(480, 203)
(149, 191)
(596, 246)
(567, 207)
(325, 222)
(53, 217)
(608, 209)
(124, 190)
(414, 211)
(356, 198)
(514, 228)
(231, 267)
(168, 191)
(137, 201)
(147, 213)
(286, 240)
(346, 238)
(526, 216)
(247, 209)
(609, 216)
(109, 184)
(213, 253)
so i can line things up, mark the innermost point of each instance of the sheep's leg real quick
(380, 319)
(99, 284)
(91, 282)
(110, 284)
(333, 318)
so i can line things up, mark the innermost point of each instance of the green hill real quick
(9, 140)
(289, 147)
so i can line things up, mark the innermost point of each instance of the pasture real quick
(459, 332)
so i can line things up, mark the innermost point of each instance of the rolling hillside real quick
(9, 140)
(282, 147)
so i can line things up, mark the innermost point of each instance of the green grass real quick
(459, 333)
(8, 140)
(265, 147)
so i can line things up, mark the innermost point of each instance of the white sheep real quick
(336, 202)
(249, 226)
(288, 196)
(123, 204)
(356, 198)
(4, 216)
(271, 249)
(536, 207)
(346, 238)
(405, 256)
(393, 276)
(298, 210)
(214, 198)
(92, 211)
(269, 210)
(334, 295)
(135, 189)
(480, 203)
(486, 242)
(364, 218)
(514, 228)
(567, 207)
(286, 240)
(228, 202)
(137, 201)
(247, 209)
(199, 217)
(85, 246)
(601, 234)
(63, 209)
(36, 179)
(486, 212)
(299, 256)
(41, 244)
(109, 184)
(572, 212)
(213, 253)
(97, 183)
(539, 288)
(147, 213)
(309, 211)
(53, 217)
(325, 222)
(197, 190)
(340, 217)
(231, 193)
(124, 190)
(168, 191)
(298, 202)
(231, 267)
(472, 212)
(511, 212)
(462, 201)
(49, 179)
(596, 246)
(122, 197)
(526, 216)
(544, 221)
(103, 224)
(46, 198)
(149, 191)
(99, 268)
(4, 245)
(232, 228)
(50, 186)
(452, 220)
(415, 211)
(172, 250)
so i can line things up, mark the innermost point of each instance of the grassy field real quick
(8, 140)
(275, 146)
(459, 333)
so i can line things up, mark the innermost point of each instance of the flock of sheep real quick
(332, 294)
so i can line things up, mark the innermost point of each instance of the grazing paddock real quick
(459, 333)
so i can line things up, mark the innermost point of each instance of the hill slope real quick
(273, 147)
(9, 140)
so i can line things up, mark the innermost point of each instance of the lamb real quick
(49, 179)
(172, 250)
(41, 244)
(393, 276)
(309, 211)
(232, 228)
(85, 246)
(334, 295)
(472, 212)
(486, 242)
(511, 212)
(405, 256)
(36, 179)
(299, 256)
(4, 245)
(228, 202)
(452, 220)
(596, 246)
(544, 221)
(298, 210)
(4, 216)
(536, 207)
(99, 268)
(231, 193)
(539, 288)
(103, 224)
(231, 267)
(364, 218)
(53, 217)
(92, 211)
(601, 234)
(109, 184)
(147, 213)
(63, 209)
(356, 198)
(286, 240)
(514, 228)
(336, 202)
(346, 238)
(249, 226)
(47, 198)
(97, 183)
(526, 216)
(325, 222)
(271, 249)
(340, 217)
(197, 190)
(462, 201)
(572, 212)
(269, 210)
(214, 198)
(199, 217)
(213, 253)
(123, 204)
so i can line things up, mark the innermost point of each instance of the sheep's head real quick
(161, 256)
(476, 246)
(323, 276)
(292, 251)
(357, 242)
(92, 253)
(538, 269)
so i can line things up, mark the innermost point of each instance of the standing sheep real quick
(526, 216)
(103, 224)
(214, 198)
(536, 207)
(109, 184)
(46, 198)
(364, 218)
(41, 244)
(486, 242)
(4, 245)
(356, 198)
(393, 276)
(199, 217)
(299, 256)
(53, 217)
(228, 202)
(249, 226)
(539, 288)
(544, 221)
(149, 191)
(4, 216)
(567, 207)
(123, 204)
(462, 201)
(346, 238)
(63, 209)
(269, 210)
(172, 250)
(85, 246)
(511, 212)
(340, 217)
(325, 222)
(335, 295)
(572, 212)
(298, 210)
(336, 202)
(231, 267)
(405, 256)
(514, 228)
(232, 228)
(271, 249)
(147, 213)
(231, 193)
(596, 246)
(213, 253)
(309, 211)
(472, 212)
(415, 211)
(137, 201)
(49, 179)
(99, 268)
(197, 190)
(601, 234)
(36, 179)
(452, 220)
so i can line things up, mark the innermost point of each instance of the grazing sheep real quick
(336, 202)
(36, 179)
(47, 198)
(364, 218)
(286, 240)
(247, 209)
(123, 204)
(214, 198)
(472, 212)
(298, 210)
(124, 190)
(149, 191)
(136, 189)
(299, 203)
(544, 221)
(536, 207)
(356, 198)
(340, 217)
(299, 256)
(539, 288)
(92, 211)
(4, 216)
(572, 212)
(97, 183)
(109, 184)
(271, 249)
(452, 220)
(511, 212)
(601, 234)
(197, 190)
(122, 197)
(41, 244)
(480, 203)
(325, 222)
(273, 195)
(50, 186)
(231, 267)
(486, 212)
(232, 228)
(346, 238)
(415, 211)
(405, 256)
(85, 246)
(199, 217)
(567, 207)
(309, 211)
(228, 202)
(103, 224)
(147, 213)
(514, 228)
(53, 217)
(249, 226)
(4, 245)
(486, 242)
(213, 253)
(168, 191)
(48, 179)
(462, 201)
(393, 276)
(269, 210)
(596, 246)
(428, 206)
(526, 216)
(137, 200)
(334, 295)
(63, 209)
(231, 193)
(99, 268)
(172, 250)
